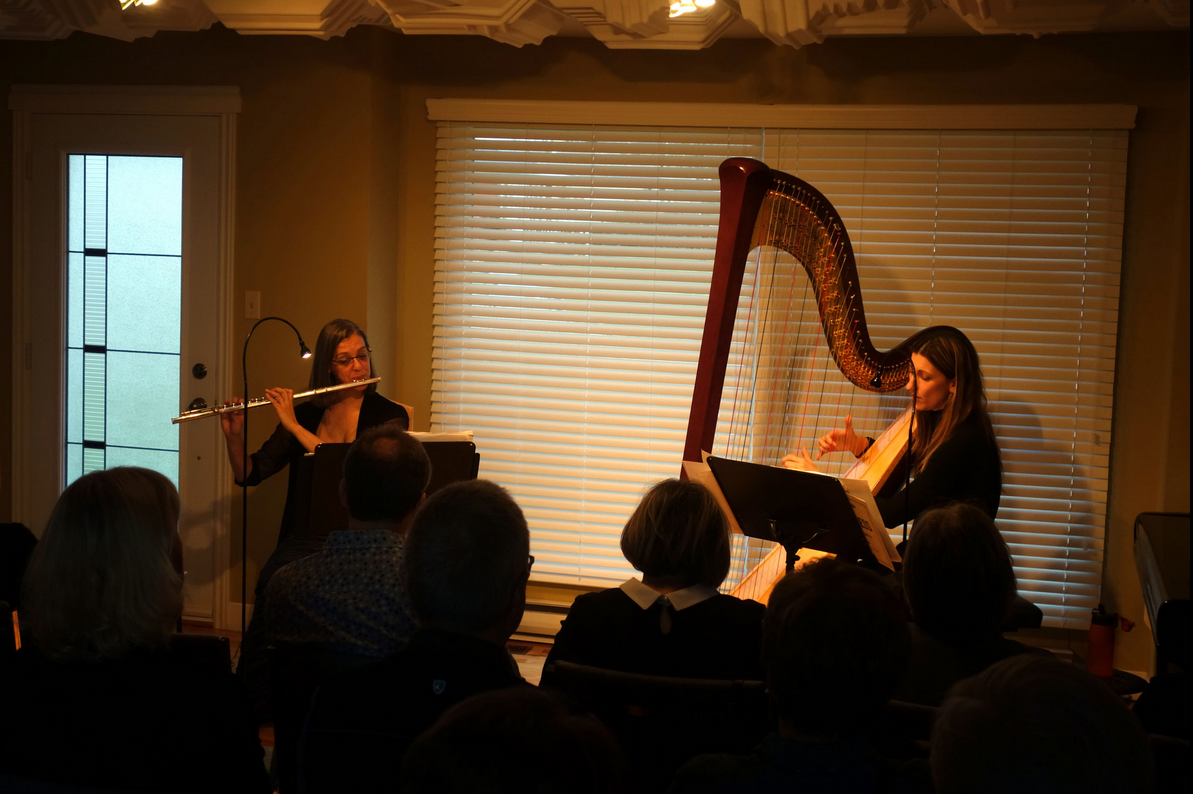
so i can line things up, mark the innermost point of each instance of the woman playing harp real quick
(954, 454)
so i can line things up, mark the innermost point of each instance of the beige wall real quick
(336, 176)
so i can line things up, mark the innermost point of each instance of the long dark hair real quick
(951, 352)
(330, 337)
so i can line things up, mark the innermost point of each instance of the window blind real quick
(572, 271)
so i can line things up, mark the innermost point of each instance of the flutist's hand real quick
(800, 461)
(841, 441)
(232, 422)
(283, 403)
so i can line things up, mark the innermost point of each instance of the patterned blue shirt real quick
(347, 596)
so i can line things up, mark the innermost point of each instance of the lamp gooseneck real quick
(304, 352)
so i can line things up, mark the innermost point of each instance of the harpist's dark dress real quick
(965, 468)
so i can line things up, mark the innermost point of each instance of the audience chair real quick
(903, 731)
(8, 637)
(10, 784)
(295, 672)
(1171, 756)
(1024, 615)
(209, 650)
(662, 722)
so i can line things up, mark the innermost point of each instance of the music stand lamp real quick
(304, 352)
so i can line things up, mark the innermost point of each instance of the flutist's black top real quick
(283, 449)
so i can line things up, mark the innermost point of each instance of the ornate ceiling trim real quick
(620, 24)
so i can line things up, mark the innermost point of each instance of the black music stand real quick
(794, 508)
(451, 461)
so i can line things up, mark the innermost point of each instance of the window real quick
(571, 284)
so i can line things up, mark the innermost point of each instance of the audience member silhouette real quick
(466, 565)
(101, 700)
(673, 621)
(349, 596)
(1035, 725)
(515, 741)
(835, 643)
(959, 586)
(16, 546)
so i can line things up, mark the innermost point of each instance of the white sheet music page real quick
(701, 473)
(861, 499)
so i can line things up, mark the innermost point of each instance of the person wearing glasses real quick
(342, 355)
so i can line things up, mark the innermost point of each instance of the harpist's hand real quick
(841, 441)
(800, 461)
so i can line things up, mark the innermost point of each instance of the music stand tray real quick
(791, 507)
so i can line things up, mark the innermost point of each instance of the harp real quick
(766, 209)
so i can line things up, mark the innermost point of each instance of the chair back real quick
(295, 671)
(8, 631)
(663, 722)
(1171, 756)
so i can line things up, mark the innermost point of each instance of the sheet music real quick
(861, 499)
(459, 435)
(701, 473)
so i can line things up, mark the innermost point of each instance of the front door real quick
(123, 317)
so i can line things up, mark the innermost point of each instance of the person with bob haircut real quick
(954, 453)
(101, 700)
(1036, 725)
(959, 586)
(672, 621)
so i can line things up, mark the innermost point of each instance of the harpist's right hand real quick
(841, 441)
(232, 422)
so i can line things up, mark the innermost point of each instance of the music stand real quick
(451, 461)
(794, 508)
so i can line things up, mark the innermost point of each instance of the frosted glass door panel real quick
(142, 396)
(124, 293)
(165, 462)
(148, 293)
(145, 205)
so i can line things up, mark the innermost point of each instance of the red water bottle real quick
(1099, 655)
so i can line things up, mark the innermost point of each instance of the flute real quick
(203, 412)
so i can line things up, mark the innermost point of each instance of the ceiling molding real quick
(878, 117)
(619, 24)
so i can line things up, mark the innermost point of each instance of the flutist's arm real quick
(232, 423)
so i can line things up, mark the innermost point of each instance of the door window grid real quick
(108, 385)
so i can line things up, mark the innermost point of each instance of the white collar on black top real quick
(645, 597)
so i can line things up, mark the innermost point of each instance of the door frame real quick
(28, 101)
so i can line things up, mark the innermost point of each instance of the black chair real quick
(334, 759)
(295, 672)
(1024, 615)
(11, 784)
(1171, 756)
(209, 650)
(903, 731)
(663, 722)
(8, 638)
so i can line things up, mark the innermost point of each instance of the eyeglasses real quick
(362, 357)
(529, 562)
